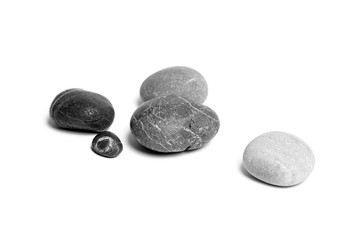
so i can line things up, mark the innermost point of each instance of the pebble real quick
(78, 109)
(173, 124)
(182, 81)
(107, 144)
(279, 158)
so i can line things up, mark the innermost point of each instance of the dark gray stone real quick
(78, 109)
(181, 81)
(107, 144)
(279, 158)
(173, 124)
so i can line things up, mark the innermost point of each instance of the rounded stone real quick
(279, 158)
(182, 81)
(107, 144)
(78, 109)
(173, 124)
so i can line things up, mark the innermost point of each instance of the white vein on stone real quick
(197, 109)
(142, 126)
(190, 80)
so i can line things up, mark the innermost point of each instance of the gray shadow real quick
(106, 157)
(248, 175)
(139, 101)
(51, 123)
(132, 142)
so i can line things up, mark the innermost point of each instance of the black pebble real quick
(107, 144)
(78, 109)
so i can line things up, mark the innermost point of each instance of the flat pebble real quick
(78, 109)
(182, 81)
(173, 124)
(107, 144)
(279, 158)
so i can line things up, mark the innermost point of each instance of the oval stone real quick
(182, 81)
(78, 109)
(173, 124)
(279, 158)
(107, 144)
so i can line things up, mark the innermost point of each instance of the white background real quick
(291, 66)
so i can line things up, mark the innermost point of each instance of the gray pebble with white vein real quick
(173, 124)
(182, 81)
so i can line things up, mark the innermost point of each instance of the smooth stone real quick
(173, 124)
(77, 109)
(279, 158)
(182, 81)
(107, 144)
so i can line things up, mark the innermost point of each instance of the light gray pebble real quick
(173, 124)
(279, 158)
(182, 81)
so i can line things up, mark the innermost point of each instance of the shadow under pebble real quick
(131, 141)
(139, 101)
(248, 175)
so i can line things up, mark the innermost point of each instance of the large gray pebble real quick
(279, 158)
(173, 124)
(181, 81)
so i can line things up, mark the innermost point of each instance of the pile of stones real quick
(174, 119)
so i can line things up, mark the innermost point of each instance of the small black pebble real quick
(107, 144)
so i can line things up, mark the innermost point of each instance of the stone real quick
(182, 81)
(173, 124)
(107, 144)
(77, 109)
(279, 158)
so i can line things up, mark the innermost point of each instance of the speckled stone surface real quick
(181, 81)
(173, 124)
(279, 158)
(107, 144)
(77, 109)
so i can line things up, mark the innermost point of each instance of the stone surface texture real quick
(279, 158)
(77, 109)
(173, 124)
(182, 81)
(107, 144)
